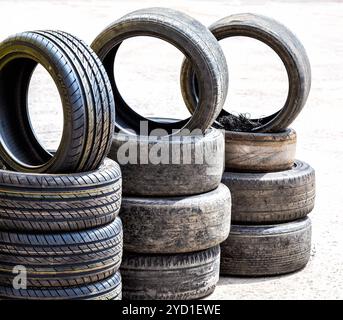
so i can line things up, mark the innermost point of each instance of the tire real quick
(170, 277)
(107, 289)
(86, 97)
(259, 152)
(259, 198)
(62, 260)
(170, 166)
(191, 38)
(176, 224)
(285, 44)
(59, 203)
(266, 250)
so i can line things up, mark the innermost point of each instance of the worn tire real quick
(266, 250)
(259, 152)
(170, 277)
(198, 167)
(86, 97)
(176, 224)
(107, 289)
(191, 38)
(272, 197)
(59, 203)
(62, 260)
(284, 43)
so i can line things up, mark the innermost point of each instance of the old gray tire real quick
(284, 43)
(176, 224)
(107, 289)
(169, 166)
(272, 197)
(33, 202)
(188, 35)
(266, 250)
(259, 152)
(62, 259)
(184, 276)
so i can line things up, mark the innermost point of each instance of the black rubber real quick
(185, 276)
(86, 95)
(169, 166)
(266, 250)
(64, 259)
(107, 289)
(59, 203)
(176, 224)
(284, 43)
(191, 38)
(272, 197)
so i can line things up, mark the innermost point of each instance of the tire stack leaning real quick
(175, 211)
(272, 193)
(59, 235)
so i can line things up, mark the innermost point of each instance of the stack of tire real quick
(175, 211)
(60, 237)
(272, 193)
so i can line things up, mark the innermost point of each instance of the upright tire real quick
(86, 97)
(191, 38)
(170, 277)
(266, 250)
(284, 43)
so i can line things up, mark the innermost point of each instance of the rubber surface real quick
(284, 43)
(59, 203)
(272, 197)
(86, 96)
(267, 249)
(188, 35)
(170, 277)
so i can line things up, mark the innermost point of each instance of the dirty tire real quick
(284, 43)
(107, 289)
(169, 166)
(59, 203)
(266, 250)
(86, 97)
(272, 197)
(62, 260)
(188, 35)
(259, 152)
(185, 276)
(176, 224)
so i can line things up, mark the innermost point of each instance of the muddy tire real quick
(284, 43)
(169, 166)
(185, 276)
(59, 203)
(108, 289)
(271, 197)
(259, 152)
(191, 38)
(176, 224)
(266, 250)
(86, 97)
(62, 260)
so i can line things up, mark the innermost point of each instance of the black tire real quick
(259, 152)
(62, 260)
(107, 289)
(86, 96)
(191, 38)
(59, 203)
(266, 250)
(176, 224)
(271, 197)
(170, 277)
(169, 166)
(288, 48)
